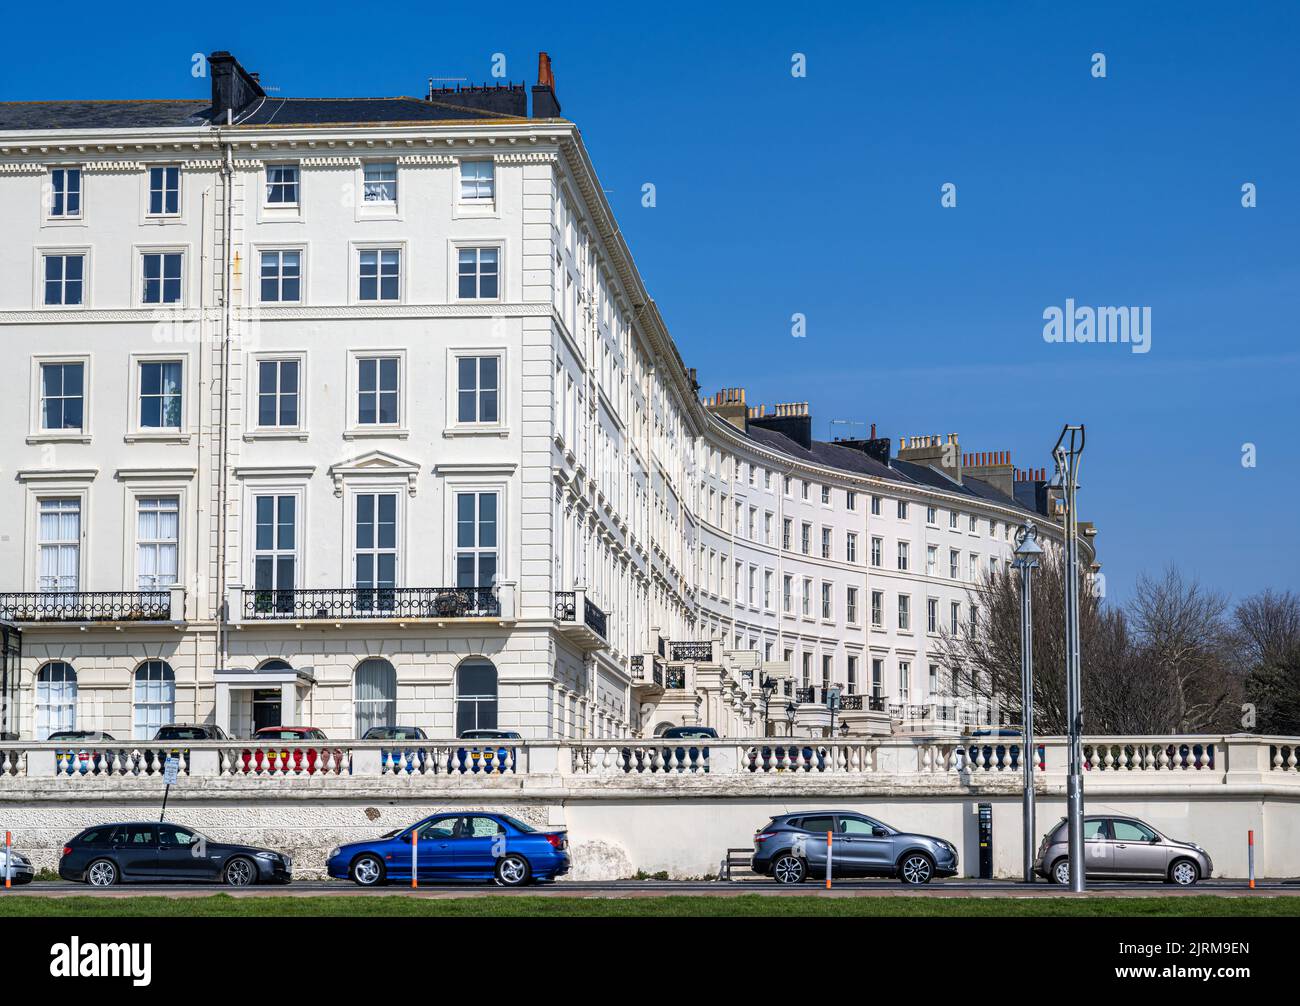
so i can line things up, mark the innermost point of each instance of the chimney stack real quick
(729, 406)
(938, 452)
(545, 104)
(790, 419)
(993, 467)
(233, 87)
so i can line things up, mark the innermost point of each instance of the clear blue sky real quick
(821, 195)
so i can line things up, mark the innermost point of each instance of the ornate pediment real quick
(375, 464)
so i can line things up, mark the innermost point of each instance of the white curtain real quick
(60, 544)
(56, 699)
(155, 698)
(375, 695)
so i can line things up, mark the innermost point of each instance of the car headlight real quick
(336, 851)
(271, 856)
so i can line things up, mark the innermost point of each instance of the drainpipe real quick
(228, 191)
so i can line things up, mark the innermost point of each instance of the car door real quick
(135, 847)
(478, 845)
(1097, 857)
(184, 856)
(435, 852)
(858, 849)
(811, 841)
(1137, 850)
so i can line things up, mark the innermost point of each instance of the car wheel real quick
(368, 871)
(101, 873)
(916, 868)
(239, 872)
(1061, 872)
(1184, 873)
(789, 869)
(512, 871)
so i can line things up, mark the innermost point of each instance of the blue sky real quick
(821, 196)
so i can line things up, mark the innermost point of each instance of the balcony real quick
(581, 620)
(438, 604)
(105, 606)
(647, 674)
(691, 652)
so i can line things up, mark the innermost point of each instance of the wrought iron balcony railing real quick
(566, 606)
(857, 703)
(87, 606)
(328, 604)
(595, 619)
(695, 652)
(639, 673)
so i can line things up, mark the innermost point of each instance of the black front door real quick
(266, 708)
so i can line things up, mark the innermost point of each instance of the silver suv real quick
(1116, 846)
(791, 848)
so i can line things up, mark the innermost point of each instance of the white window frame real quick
(140, 251)
(36, 432)
(278, 248)
(355, 430)
(50, 217)
(146, 182)
(477, 199)
(254, 430)
(454, 488)
(82, 543)
(136, 496)
(453, 269)
(168, 433)
(254, 489)
(64, 251)
(454, 425)
(376, 487)
(274, 207)
(379, 207)
(379, 247)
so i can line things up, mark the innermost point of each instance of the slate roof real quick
(181, 113)
(849, 459)
(103, 114)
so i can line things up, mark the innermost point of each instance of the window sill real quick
(477, 431)
(54, 437)
(251, 435)
(160, 437)
(381, 432)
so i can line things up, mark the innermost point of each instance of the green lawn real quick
(686, 905)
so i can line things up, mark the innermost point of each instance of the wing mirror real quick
(879, 833)
(406, 838)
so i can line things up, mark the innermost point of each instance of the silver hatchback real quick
(1120, 847)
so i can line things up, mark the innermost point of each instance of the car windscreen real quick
(181, 734)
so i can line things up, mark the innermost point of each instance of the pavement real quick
(953, 888)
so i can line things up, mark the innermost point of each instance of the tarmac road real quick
(650, 888)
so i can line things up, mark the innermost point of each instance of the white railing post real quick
(177, 603)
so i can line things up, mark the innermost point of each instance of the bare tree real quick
(1181, 638)
(1266, 634)
(1158, 667)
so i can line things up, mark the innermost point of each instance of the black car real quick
(191, 732)
(108, 854)
(395, 734)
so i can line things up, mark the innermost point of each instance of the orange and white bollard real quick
(415, 858)
(9, 844)
(1250, 856)
(828, 861)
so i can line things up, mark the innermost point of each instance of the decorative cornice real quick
(22, 168)
(330, 161)
(527, 157)
(316, 312)
(49, 316)
(58, 474)
(426, 160)
(112, 167)
(134, 474)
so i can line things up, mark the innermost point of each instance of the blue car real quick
(464, 846)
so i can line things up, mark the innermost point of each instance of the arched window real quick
(56, 699)
(155, 698)
(476, 696)
(275, 664)
(375, 695)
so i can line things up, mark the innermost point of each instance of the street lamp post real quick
(833, 703)
(767, 685)
(1027, 552)
(1068, 451)
(790, 711)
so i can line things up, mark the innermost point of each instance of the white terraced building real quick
(357, 412)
